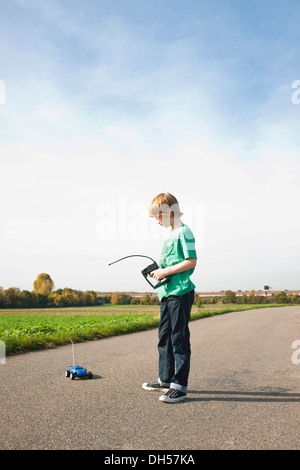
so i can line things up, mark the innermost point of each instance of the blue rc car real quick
(77, 371)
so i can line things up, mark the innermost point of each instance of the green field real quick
(27, 330)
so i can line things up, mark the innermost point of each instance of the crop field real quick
(97, 310)
(26, 330)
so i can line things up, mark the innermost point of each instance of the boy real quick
(178, 260)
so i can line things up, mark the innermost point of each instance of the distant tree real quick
(71, 297)
(118, 298)
(43, 284)
(68, 291)
(229, 297)
(282, 298)
(58, 300)
(197, 300)
(145, 300)
(100, 300)
(2, 300)
(243, 299)
(155, 300)
(25, 299)
(258, 299)
(297, 299)
(11, 296)
(39, 300)
(90, 298)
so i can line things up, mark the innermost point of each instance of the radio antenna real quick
(130, 256)
(147, 270)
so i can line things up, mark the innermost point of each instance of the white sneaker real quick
(156, 386)
(173, 396)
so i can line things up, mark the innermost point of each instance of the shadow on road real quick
(229, 395)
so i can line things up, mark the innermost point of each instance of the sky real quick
(105, 104)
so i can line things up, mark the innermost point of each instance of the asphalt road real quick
(244, 391)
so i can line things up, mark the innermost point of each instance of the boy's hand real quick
(158, 274)
(188, 263)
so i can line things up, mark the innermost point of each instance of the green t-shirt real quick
(180, 246)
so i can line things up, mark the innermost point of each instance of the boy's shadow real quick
(242, 396)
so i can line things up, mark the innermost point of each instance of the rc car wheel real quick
(67, 373)
(72, 376)
(90, 375)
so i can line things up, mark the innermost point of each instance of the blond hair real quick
(163, 203)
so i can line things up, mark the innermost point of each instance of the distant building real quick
(238, 293)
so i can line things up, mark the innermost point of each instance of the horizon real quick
(208, 292)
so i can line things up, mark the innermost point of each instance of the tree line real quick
(230, 297)
(43, 295)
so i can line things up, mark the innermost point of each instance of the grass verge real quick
(30, 332)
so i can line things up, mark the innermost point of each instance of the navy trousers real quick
(174, 347)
